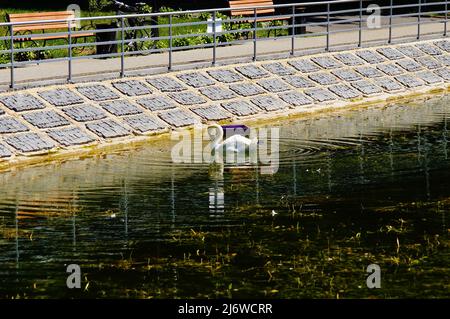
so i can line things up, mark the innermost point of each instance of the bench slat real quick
(30, 17)
(33, 27)
(41, 15)
(251, 12)
(249, 2)
(236, 4)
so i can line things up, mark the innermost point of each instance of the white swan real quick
(234, 144)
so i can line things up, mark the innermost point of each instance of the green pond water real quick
(361, 187)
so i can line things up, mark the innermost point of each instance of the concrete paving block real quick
(409, 80)
(225, 76)
(299, 82)
(240, 108)
(211, 112)
(443, 59)
(107, 129)
(21, 102)
(388, 84)
(97, 92)
(429, 48)
(347, 75)
(268, 103)
(121, 107)
(390, 69)
(326, 62)
(84, 113)
(431, 63)
(320, 94)
(156, 103)
(166, 84)
(390, 53)
(410, 51)
(187, 98)
(70, 136)
(9, 124)
(61, 97)
(344, 91)
(4, 151)
(295, 98)
(132, 87)
(443, 45)
(443, 73)
(349, 59)
(246, 89)
(217, 93)
(366, 87)
(143, 123)
(278, 69)
(323, 78)
(274, 85)
(370, 56)
(429, 77)
(178, 117)
(304, 66)
(30, 142)
(252, 71)
(195, 79)
(369, 72)
(45, 119)
(409, 65)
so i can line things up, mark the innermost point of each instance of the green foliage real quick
(166, 9)
(204, 16)
(98, 5)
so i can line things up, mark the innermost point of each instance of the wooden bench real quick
(68, 16)
(238, 6)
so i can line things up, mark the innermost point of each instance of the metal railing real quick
(226, 30)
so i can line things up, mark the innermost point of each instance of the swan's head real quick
(215, 132)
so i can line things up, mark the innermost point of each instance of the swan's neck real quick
(218, 137)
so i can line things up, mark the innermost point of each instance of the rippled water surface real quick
(361, 187)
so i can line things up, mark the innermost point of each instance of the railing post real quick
(11, 85)
(390, 20)
(214, 38)
(360, 23)
(293, 31)
(255, 28)
(328, 26)
(69, 30)
(419, 18)
(170, 42)
(122, 56)
(446, 18)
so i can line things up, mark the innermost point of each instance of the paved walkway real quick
(96, 69)
(67, 120)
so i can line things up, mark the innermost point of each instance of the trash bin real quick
(105, 37)
(299, 20)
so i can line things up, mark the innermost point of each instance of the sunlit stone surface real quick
(21, 102)
(97, 92)
(61, 97)
(211, 112)
(132, 87)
